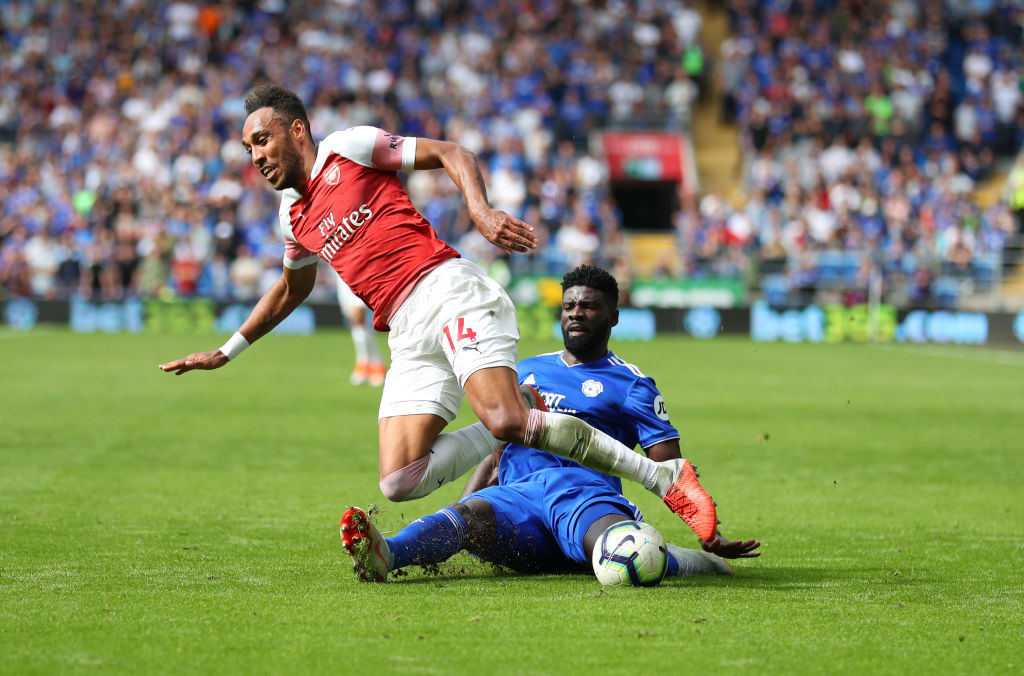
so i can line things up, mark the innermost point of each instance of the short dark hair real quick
(286, 104)
(595, 278)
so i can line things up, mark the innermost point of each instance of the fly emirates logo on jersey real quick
(337, 232)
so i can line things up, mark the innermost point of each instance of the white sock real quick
(371, 348)
(452, 455)
(572, 438)
(697, 562)
(359, 339)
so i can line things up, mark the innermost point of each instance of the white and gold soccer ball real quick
(631, 552)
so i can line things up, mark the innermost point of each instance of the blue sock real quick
(673, 565)
(429, 539)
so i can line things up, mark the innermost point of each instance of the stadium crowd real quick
(120, 158)
(865, 124)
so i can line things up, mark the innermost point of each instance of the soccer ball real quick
(631, 552)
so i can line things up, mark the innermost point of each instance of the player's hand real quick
(204, 361)
(502, 230)
(731, 549)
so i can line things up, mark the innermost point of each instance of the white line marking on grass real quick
(987, 355)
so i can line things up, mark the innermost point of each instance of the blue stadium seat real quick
(775, 289)
(983, 270)
(838, 268)
(947, 291)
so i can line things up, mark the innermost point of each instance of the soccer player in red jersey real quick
(453, 330)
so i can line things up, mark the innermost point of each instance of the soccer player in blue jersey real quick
(546, 512)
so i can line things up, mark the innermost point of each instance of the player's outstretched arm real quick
(203, 361)
(287, 293)
(499, 228)
(664, 450)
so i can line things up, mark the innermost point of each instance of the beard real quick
(290, 168)
(581, 344)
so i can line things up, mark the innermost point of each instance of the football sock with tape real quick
(429, 539)
(572, 438)
(452, 455)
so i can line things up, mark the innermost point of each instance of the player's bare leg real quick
(494, 395)
(496, 399)
(405, 439)
(416, 458)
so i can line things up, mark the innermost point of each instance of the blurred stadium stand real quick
(801, 145)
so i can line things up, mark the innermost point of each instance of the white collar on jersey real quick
(562, 357)
(318, 165)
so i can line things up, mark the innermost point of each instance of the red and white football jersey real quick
(356, 216)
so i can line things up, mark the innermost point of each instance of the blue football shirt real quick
(608, 393)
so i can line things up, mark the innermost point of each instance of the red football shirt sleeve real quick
(297, 256)
(374, 147)
(392, 152)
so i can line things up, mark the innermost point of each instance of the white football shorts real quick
(456, 321)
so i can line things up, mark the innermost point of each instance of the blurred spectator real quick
(577, 241)
(98, 276)
(246, 273)
(41, 256)
(1015, 188)
(69, 266)
(186, 269)
(680, 96)
(154, 270)
(14, 272)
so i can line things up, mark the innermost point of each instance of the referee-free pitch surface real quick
(160, 524)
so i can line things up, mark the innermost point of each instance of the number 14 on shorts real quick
(460, 334)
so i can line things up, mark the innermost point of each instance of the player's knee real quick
(392, 491)
(481, 525)
(402, 484)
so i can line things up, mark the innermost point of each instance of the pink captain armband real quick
(236, 343)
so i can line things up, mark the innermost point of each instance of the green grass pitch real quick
(160, 524)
